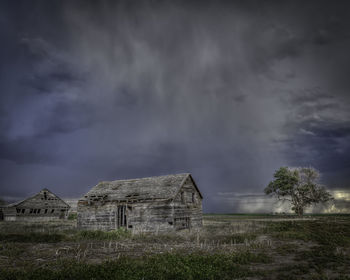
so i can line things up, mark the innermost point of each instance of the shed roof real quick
(17, 203)
(159, 187)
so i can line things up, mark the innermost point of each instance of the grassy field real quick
(227, 247)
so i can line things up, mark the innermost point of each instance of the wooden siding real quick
(158, 215)
(44, 206)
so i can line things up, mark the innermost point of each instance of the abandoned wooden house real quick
(153, 204)
(44, 206)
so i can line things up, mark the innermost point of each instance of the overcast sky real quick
(226, 90)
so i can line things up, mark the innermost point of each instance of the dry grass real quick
(308, 248)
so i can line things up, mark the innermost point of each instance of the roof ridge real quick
(150, 177)
(163, 186)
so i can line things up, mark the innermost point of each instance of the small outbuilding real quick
(44, 206)
(153, 204)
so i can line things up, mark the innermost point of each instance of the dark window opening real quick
(39, 211)
(129, 226)
(23, 211)
(34, 211)
(182, 223)
(182, 197)
(170, 223)
(31, 211)
(18, 210)
(53, 210)
(45, 211)
(45, 195)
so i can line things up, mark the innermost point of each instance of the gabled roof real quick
(159, 187)
(28, 198)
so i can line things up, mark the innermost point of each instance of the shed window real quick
(18, 210)
(34, 211)
(45, 195)
(23, 211)
(182, 222)
(53, 210)
(45, 211)
(39, 211)
(31, 211)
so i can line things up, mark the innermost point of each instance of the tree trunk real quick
(299, 211)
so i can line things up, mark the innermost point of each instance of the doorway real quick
(121, 216)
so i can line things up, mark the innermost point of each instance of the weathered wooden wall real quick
(141, 216)
(187, 207)
(162, 215)
(44, 206)
(156, 216)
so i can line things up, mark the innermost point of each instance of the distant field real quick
(230, 246)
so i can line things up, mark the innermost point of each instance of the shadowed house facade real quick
(153, 204)
(2, 204)
(44, 206)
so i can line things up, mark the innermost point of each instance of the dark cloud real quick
(228, 91)
(24, 151)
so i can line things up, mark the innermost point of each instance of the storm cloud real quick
(226, 90)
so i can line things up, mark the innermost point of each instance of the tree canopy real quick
(299, 186)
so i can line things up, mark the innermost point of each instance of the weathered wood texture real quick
(161, 204)
(44, 206)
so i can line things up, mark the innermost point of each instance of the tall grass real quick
(166, 266)
(102, 235)
(329, 233)
(32, 237)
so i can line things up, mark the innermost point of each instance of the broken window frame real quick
(182, 223)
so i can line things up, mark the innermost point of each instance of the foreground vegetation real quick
(228, 247)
